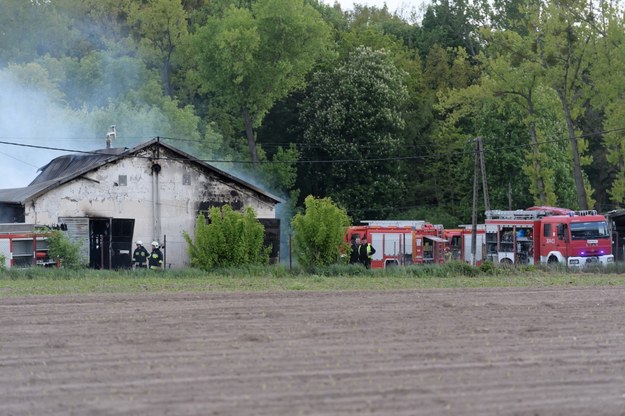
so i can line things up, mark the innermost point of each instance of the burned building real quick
(154, 191)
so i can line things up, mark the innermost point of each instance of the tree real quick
(562, 40)
(516, 75)
(161, 27)
(606, 73)
(319, 233)
(437, 69)
(34, 28)
(353, 114)
(250, 58)
(451, 24)
(230, 239)
(513, 112)
(282, 172)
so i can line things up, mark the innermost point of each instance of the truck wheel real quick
(506, 262)
(390, 264)
(552, 260)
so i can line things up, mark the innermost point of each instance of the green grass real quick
(35, 281)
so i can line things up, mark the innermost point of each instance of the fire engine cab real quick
(400, 243)
(548, 235)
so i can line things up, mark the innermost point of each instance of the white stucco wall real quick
(162, 211)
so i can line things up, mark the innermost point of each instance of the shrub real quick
(230, 239)
(69, 253)
(488, 267)
(319, 232)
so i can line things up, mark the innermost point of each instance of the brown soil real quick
(426, 352)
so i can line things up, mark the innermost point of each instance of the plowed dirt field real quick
(427, 352)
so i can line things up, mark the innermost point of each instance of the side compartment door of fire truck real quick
(392, 249)
(406, 244)
(468, 250)
(377, 242)
(417, 252)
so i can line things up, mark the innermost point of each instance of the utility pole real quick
(480, 147)
(474, 213)
(480, 165)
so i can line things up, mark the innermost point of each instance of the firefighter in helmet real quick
(140, 256)
(156, 257)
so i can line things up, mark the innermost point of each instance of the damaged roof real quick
(65, 168)
(69, 165)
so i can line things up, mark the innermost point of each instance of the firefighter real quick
(365, 252)
(448, 254)
(156, 257)
(354, 257)
(140, 256)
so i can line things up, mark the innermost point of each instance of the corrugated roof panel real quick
(69, 165)
(19, 195)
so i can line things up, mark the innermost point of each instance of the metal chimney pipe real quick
(110, 136)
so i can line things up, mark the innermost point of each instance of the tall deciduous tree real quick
(29, 29)
(607, 75)
(563, 35)
(251, 57)
(161, 27)
(353, 113)
(514, 72)
(451, 23)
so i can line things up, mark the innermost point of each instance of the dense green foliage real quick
(353, 112)
(318, 233)
(59, 246)
(230, 239)
(375, 109)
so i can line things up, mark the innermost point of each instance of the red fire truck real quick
(22, 246)
(401, 242)
(547, 235)
(458, 247)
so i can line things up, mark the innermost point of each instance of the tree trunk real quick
(166, 71)
(540, 184)
(249, 132)
(165, 75)
(582, 200)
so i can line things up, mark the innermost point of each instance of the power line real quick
(19, 160)
(434, 156)
(359, 160)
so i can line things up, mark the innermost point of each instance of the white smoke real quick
(31, 117)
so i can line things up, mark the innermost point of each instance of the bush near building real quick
(231, 238)
(319, 233)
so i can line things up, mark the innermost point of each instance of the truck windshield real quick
(588, 230)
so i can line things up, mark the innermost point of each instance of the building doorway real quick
(105, 243)
(110, 243)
